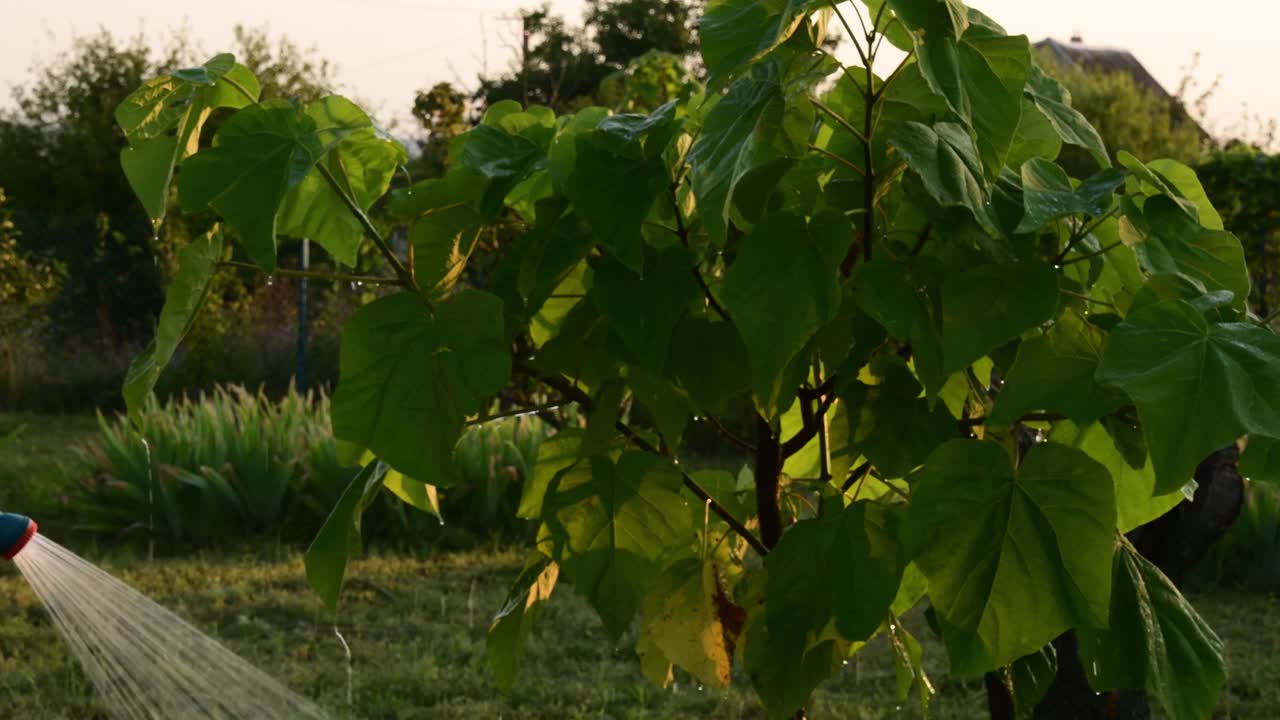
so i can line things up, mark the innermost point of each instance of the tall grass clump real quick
(233, 464)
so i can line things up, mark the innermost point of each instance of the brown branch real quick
(796, 442)
(767, 469)
(857, 474)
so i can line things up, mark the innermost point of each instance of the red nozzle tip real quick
(12, 552)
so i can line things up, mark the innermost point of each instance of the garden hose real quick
(15, 532)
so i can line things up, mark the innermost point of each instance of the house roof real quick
(1111, 60)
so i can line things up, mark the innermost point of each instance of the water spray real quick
(144, 661)
(15, 532)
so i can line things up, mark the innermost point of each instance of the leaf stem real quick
(1086, 298)
(314, 274)
(516, 412)
(401, 271)
(1081, 234)
(406, 277)
(843, 161)
(683, 233)
(840, 120)
(1094, 254)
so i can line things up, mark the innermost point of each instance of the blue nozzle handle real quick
(15, 532)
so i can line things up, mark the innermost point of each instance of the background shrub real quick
(232, 464)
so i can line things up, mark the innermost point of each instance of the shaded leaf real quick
(781, 288)
(1197, 385)
(1156, 642)
(197, 264)
(1013, 557)
(409, 380)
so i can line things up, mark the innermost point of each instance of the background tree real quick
(28, 283)
(562, 67)
(1128, 116)
(442, 112)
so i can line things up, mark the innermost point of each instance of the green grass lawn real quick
(416, 628)
(39, 460)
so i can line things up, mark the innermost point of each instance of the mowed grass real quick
(416, 629)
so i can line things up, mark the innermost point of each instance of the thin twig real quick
(857, 473)
(683, 233)
(575, 394)
(1029, 417)
(517, 412)
(852, 35)
(1081, 234)
(1094, 254)
(733, 437)
(315, 274)
(796, 443)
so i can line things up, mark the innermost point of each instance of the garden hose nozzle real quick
(15, 532)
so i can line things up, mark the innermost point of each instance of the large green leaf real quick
(948, 164)
(409, 378)
(733, 33)
(1054, 102)
(843, 567)
(162, 122)
(709, 360)
(897, 296)
(613, 192)
(782, 681)
(682, 618)
(1176, 243)
(1156, 642)
(642, 312)
(980, 73)
(504, 648)
(1135, 480)
(362, 163)
(1184, 181)
(258, 156)
(1054, 372)
(614, 527)
(988, 305)
(892, 425)
(339, 537)
(197, 263)
(505, 159)
(1047, 193)
(751, 127)
(781, 288)
(446, 225)
(1013, 557)
(1197, 385)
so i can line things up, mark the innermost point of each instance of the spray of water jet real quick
(145, 662)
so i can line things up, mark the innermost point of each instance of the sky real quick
(385, 50)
